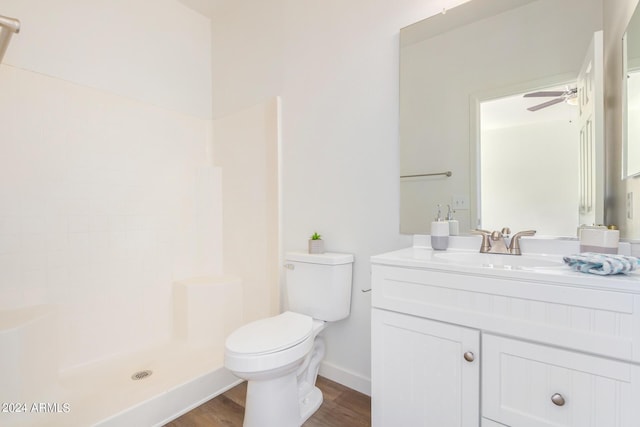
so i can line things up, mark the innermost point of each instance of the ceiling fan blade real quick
(545, 93)
(545, 104)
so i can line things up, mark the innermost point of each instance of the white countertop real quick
(426, 258)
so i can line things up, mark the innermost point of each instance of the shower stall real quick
(135, 231)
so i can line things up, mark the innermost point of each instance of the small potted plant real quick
(316, 244)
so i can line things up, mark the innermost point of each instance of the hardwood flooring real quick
(342, 407)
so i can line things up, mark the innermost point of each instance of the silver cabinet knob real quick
(557, 399)
(469, 356)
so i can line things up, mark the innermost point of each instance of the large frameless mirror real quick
(631, 97)
(451, 67)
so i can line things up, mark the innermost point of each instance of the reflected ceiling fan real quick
(569, 96)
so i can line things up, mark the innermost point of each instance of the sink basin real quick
(507, 262)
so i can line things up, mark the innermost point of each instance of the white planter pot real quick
(316, 246)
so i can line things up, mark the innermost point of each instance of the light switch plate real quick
(459, 202)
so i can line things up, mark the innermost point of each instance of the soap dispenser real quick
(439, 232)
(454, 226)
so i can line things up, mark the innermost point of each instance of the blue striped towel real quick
(602, 264)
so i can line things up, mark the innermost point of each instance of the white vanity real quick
(464, 340)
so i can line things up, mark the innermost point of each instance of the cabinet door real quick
(532, 385)
(424, 373)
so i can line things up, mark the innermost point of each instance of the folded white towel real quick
(602, 264)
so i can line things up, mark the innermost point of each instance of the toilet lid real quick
(271, 335)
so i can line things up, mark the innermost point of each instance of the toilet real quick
(280, 356)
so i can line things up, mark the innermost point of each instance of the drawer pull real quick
(557, 399)
(469, 356)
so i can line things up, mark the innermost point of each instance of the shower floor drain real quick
(140, 375)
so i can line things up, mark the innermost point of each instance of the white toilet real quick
(280, 356)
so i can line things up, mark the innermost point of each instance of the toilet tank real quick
(319, 285)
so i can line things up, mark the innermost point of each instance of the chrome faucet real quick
(496, 242)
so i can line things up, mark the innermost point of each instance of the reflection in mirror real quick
(631, 109)
(446, 63)
(526, 139)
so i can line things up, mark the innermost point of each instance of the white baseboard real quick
(346, 378)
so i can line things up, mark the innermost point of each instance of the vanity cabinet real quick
(547, 350)
(425, 373)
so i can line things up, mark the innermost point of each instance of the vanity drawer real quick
(595, 321)
(525, 384)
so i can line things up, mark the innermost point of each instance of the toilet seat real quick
(270, 343)
(270, 335)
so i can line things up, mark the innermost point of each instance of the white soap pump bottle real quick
(454, 226)
(439, 233)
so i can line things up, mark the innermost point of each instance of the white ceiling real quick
(512, 110)
(207, 7)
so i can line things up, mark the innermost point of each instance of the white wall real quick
(105, 181)
(156, 52)
(248, 47)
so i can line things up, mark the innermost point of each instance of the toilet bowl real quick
(273, 343)
(273, 356)
(280, 356)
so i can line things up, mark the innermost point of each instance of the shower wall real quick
(107, 189)
(246, 148)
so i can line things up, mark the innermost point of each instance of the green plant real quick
(316, 236)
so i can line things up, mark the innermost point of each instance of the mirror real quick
(631, 97)
(450, 65)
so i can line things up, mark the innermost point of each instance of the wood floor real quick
(342, 407)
